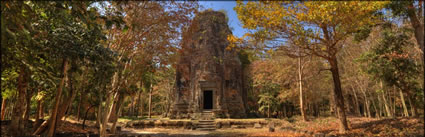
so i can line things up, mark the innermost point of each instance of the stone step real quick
(206, 129)
(206, 126)
(206, 120)
(206, 123)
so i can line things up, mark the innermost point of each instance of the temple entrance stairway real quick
(206, 121)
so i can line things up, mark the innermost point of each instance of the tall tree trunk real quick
(367, 105)
(79, 105)
(380, 105)
(301, 90)
(82, 94)
(142, 107)
(27, 106)
(17, 123)
(137, 107)
(131, 109)
(406, 113)
(99, 113)
(338, 97)
(150, 100)
(394, 105)
(374, 107)
(418, 28)
(37, 114)
(268, 110)
(3, 108)
(356, 101)
(139, 97)
(85, 115)
(332, 105)
(411, 107)
(53, 118)
(115, 107)
(104, 116)
(387, 106)
(41, 111)
(118, 101)
(66, 104)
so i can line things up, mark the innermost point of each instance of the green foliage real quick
(399, 8)
(266, 100)
(246, 57)
(390, 60)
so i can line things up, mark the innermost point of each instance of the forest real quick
(347, 68)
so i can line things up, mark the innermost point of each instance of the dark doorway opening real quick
(208, 99)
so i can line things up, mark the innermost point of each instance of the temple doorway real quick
(208, 99)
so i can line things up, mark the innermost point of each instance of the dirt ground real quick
(359, 126)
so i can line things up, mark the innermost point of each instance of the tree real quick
(57, 37)
(414, 11)
(317, 27)
(391, 63)
(152, 31)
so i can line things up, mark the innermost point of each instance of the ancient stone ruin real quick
(208, 76)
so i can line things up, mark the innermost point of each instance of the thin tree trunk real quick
(53, 118)
(394, 104)
(332, 105)
(138, 98)
(99, 113)
(131, 111)
(82, 95)
(357, 101)
(367, 105)
(85, 115)
(37, 114)
(41, 112)
(104, 115)
(17, 123)
(406, 113)
(301, 90)
(27, 106)
(411, 107)
(150, 100)
(376, 109)
(142, 106)
(380, 105)
(117, 110)
(268, 110)
(339, 98)
(79, 106)
(66, 106)
(115, 106)
(387, 106)
(3, 108)
(367, 113)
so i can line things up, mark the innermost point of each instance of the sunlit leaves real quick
(315, 23)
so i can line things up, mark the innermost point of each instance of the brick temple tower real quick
(208, 76)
